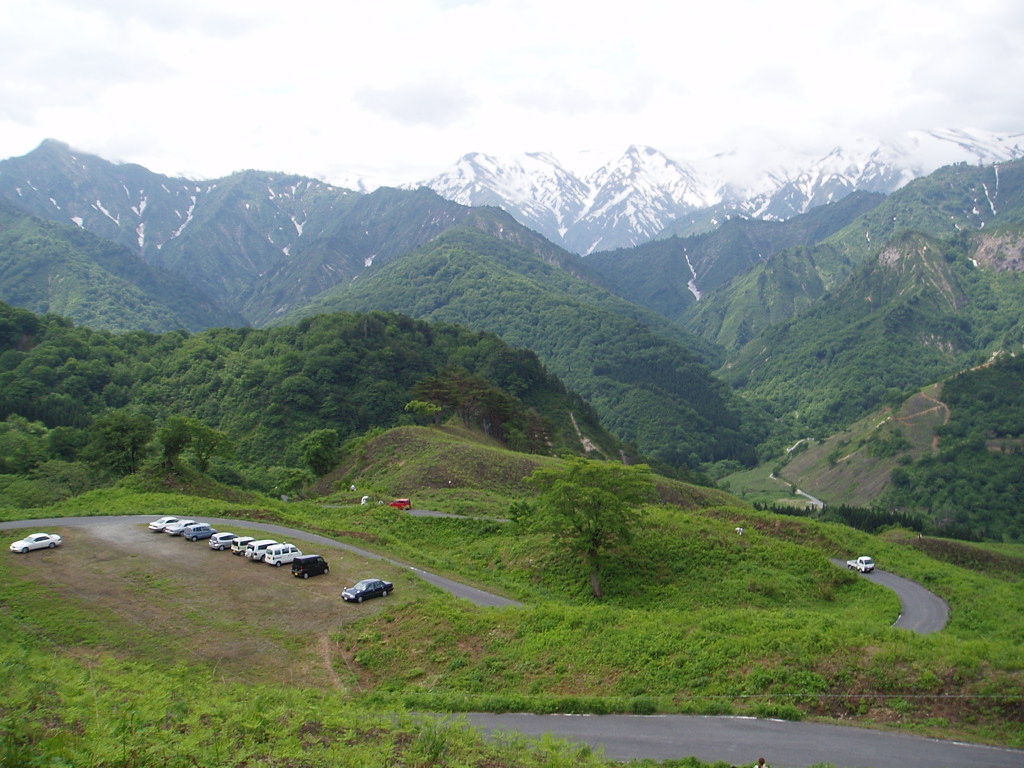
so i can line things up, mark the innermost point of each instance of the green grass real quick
(696, 619)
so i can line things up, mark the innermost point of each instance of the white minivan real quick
(255, 550)
(281, 554)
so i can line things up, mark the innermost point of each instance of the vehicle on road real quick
(309, 565)
(163, 522)
(255, 550)
(281, 554)
(864, 564)
(198, 531)
(37, 541)
(175, 529)
(367, 588)
(222, 540)
(239, 543)
(401, 504)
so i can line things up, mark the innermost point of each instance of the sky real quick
(397, 91)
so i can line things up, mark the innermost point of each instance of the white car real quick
(37, 541)
(163, 522)
(175, 529)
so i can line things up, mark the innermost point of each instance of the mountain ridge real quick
(644, 194)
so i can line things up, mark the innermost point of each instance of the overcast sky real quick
(398, 90)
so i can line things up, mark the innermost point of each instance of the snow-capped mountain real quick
(645, 194)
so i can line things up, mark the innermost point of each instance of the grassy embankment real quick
(697, 618)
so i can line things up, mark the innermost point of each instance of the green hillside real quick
(696, 619)
(919, 311)
(59, 269)
(252, 398)
(770, 285)
(637, 371)
(948, 457)
(658, 274)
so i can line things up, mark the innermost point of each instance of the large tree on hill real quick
(591, 508)
(118, 441)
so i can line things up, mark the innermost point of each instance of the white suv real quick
(281, 554)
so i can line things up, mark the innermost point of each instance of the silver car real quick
(222, 540)
(175, 529)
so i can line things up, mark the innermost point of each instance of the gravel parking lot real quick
(215, 607)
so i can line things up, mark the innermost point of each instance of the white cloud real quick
(401, 89)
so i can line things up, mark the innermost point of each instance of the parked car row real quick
(272, 552)
(192, 530)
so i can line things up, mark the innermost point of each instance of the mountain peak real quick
(588, 203)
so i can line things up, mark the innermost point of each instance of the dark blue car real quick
(366, 589)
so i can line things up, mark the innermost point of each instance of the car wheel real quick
(327, 570)
(23, 550)
(305, 575)
(386, 593)
(53, 544)
(359, 599)
(278, 564)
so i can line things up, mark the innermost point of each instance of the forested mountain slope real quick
(260, 243)
(952, 200)
(48, 267)
(266, 390)
(635, 369)
(677, 274)
(920, 310)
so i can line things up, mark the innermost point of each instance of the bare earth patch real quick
(203, 606)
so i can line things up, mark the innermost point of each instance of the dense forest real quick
(646, 378)
(973, 485)
(255, 407)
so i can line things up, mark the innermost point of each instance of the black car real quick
(366, 589)
(309, 565)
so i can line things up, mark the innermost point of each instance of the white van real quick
(255, 550)
(281, 554)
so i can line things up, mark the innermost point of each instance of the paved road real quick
(633, 737)
(923, 612)
(741, 741)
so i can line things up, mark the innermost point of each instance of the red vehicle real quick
(401, 504)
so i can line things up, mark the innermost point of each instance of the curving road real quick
(923, 612)
(662, 737)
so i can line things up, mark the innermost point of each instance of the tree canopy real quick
(591, 507)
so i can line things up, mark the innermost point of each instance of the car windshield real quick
(364, 584)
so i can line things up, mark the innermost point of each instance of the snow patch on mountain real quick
(591, 202)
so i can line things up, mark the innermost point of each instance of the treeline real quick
(79, 395)
(868, 519)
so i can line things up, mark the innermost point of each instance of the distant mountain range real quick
(644, 194)
(816, 317)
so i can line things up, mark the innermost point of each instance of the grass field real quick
(141, 650)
